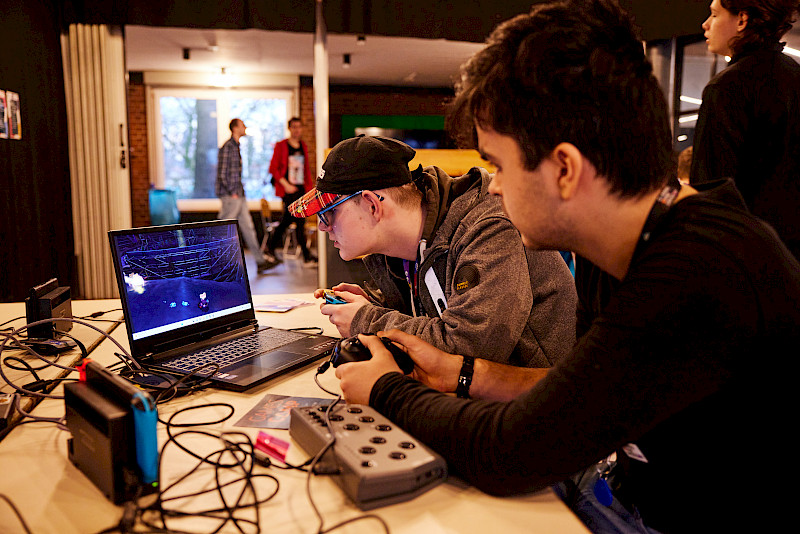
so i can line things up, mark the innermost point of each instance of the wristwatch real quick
(465, 377)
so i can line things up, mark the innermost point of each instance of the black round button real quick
(367, 450)
(337, 418)
(406, 445)
(366, 419)
(351, 426)
(397, 456)
(354, 409)
(383, 427)
(378, 439)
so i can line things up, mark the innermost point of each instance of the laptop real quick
(187, 303)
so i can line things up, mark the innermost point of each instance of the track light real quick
(346, 61)
(361, 40)
(185, 53)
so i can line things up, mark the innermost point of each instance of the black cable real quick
(317, 330)
(94, 316)
(236, 454)
(17, 512)
(25, 366)
(311, 470)
(81, 346)
(11, 321)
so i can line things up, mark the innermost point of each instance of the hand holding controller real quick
(330, 298)
(352, 350)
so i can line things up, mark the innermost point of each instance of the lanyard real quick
(412, 277)
(660, 208)
(413, 283)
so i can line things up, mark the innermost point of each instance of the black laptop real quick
(187, 304)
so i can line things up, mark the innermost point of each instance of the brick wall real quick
(138, 158)
(307, 116)
(344, 100)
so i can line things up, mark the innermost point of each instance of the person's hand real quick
(341, 315)
(433, 367)
(358, 378)
(355, 289)
(290, 188)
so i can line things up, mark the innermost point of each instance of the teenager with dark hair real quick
(671, 376)
(749, 124)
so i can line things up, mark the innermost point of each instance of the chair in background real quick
(268, 224)
(164, 207)
(291, 248)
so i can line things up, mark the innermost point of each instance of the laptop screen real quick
(180, 280)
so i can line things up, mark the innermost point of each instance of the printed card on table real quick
(273, 411)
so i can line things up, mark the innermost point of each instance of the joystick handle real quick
(352, 350)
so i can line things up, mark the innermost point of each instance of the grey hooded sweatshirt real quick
(481, 293)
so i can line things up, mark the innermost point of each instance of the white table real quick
(55, 497)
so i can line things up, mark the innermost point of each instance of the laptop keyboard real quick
(234, 351)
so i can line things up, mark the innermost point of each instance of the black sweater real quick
(682, 362)
(749, 130)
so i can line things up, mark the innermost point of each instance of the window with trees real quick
(191, 125)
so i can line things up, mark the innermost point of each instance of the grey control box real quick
(375, 462)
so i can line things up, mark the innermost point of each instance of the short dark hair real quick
(233, 123)
(767, 21)
(293, 119)
(571, 71)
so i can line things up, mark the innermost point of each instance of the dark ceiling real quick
(465, 20)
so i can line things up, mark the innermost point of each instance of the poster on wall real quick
(3, 118)
(14, 115)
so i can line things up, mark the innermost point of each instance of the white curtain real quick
(94, 78)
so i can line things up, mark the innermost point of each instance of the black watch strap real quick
(465, 377)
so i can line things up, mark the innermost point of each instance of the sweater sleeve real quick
(590, 404)
(472, 323)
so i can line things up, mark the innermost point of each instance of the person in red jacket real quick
(291, 175)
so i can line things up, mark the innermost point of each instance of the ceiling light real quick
(185, 53)
(223, 79)
(688, 118)
(682, 138)
(361, 40)
(791, 51)
(346, 61)
(691, 100)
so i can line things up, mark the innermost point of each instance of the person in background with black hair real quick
(749, 124)
(686, 375)
(292, 177)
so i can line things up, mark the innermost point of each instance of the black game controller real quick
(352, 350)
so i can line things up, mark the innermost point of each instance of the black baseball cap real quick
(356, 164)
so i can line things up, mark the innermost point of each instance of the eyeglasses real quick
(326, 216)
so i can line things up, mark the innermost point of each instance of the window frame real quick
(223, 96)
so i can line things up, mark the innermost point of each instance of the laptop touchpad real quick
(274, 360)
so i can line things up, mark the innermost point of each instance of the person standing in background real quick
(749, 124)
(291, 175)
(230, 191)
